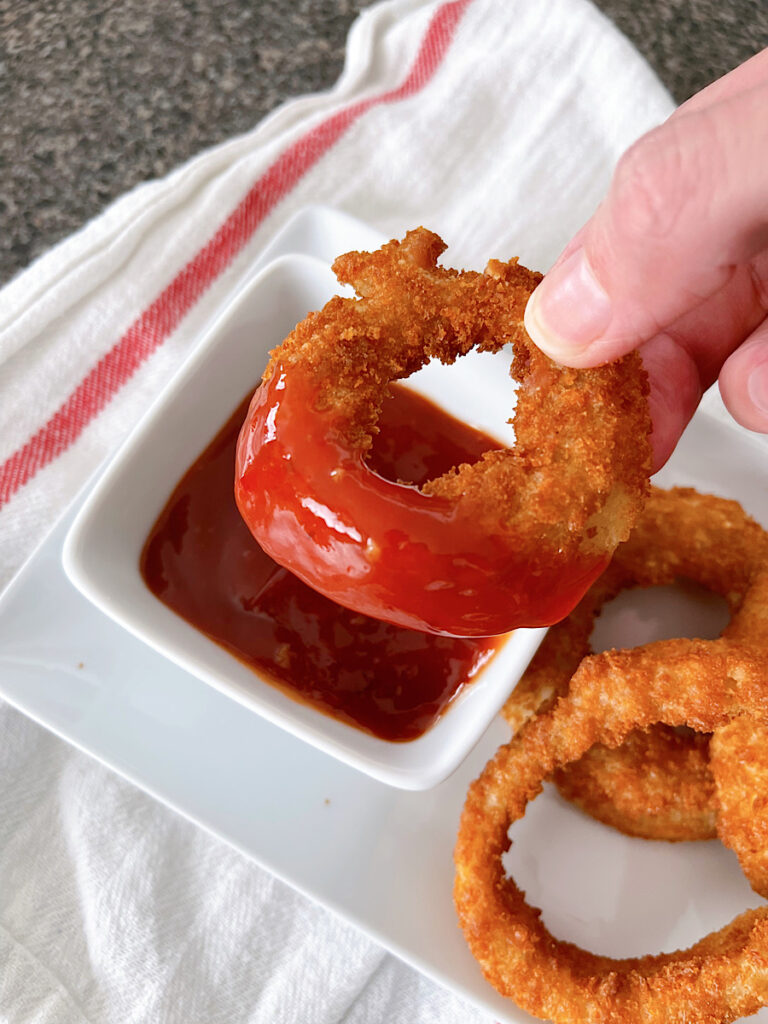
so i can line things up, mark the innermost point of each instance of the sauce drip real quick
(201, 560)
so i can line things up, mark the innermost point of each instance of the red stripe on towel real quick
(157, 322)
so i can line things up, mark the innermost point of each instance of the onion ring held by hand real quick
(722, 977)
(513, 540)
(658, 784)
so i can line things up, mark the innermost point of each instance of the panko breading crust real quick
(658, 784)
(704, 685)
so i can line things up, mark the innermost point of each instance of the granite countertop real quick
(99, 95)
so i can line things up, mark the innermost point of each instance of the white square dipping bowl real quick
(102, 550)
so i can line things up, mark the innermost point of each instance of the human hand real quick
(675, 262)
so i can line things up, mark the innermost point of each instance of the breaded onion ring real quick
(513, 540)
(722, 977)
(658, 784)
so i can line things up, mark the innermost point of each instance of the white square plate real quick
(379, 857)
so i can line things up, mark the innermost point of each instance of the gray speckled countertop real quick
(97, 95)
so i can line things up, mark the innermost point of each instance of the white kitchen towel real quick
(495, 122)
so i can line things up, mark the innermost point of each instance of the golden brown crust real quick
(703, 685)
(658, 784)
(572, 485)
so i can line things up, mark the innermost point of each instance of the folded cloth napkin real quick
(495, 122)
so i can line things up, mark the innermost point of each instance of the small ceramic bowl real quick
(101, 554)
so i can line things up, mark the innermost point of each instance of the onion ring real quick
(657, 785)
(513, 540)
(722, 977)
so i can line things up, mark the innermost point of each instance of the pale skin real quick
(674, 262)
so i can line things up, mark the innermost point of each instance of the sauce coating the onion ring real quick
(512, 540)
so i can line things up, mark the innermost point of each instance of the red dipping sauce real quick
(201, 560)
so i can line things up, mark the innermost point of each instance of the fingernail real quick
(757, 388)
(569, 310)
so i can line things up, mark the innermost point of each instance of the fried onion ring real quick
(719, 979)
(658, 784)
(513, 540)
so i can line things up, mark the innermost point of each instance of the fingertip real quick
(743, 382)
(542, 335)
(568, 312)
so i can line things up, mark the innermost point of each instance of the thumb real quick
(686, 207)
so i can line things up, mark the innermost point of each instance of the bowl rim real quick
(438, 752)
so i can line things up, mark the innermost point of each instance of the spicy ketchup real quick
(201, 561)
(378, 544)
